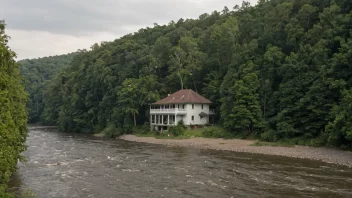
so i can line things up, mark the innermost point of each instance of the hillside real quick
(278, 70)
(36, 73)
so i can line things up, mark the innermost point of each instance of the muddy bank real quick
(328, 155)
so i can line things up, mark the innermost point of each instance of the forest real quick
(279, 70)
(36, 73)
(13, 113)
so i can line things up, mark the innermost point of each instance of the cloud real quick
(33, 44)
(83, 21)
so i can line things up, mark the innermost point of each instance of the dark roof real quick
(184, 96)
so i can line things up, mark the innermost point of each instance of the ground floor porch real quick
(159, 122)
(165, 120)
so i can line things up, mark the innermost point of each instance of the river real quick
(74, 165)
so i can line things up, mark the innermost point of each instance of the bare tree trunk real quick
(181, 79)
(265, 105)
(134, 119)
(178, 58)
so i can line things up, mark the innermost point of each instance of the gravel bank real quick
(323, 154)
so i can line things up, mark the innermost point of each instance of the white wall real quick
(195, 112)
(179, 117)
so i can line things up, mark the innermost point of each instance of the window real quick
(192, 106)
(192, 118)
(202, 106)
(183, 106)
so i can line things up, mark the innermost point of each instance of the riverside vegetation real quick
(13, 115)
(278, 71)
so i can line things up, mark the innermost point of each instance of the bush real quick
(269, 136)
(216, 133)
(146, 127)
(182, 124)
(112, 131)
(178, 130)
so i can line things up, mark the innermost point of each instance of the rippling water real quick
(71, 165)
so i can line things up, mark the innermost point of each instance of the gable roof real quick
(184, 96)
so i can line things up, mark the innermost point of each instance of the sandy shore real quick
(323, 154)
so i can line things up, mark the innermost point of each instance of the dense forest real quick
(36, 72)
(13, 114)
(281, 69)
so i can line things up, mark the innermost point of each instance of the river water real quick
(72, 165)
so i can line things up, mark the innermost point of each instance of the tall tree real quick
(13, 114)
(246, 113)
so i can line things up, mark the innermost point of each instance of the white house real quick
(185, 105)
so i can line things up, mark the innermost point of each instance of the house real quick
(185, 105)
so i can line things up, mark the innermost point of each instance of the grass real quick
(159, 136)
(189, 133)
(101, 134)
(195, 132)
(218, 132)
(278, 144)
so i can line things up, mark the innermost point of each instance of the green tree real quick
(37, 74)
(136, 93)
(13, 115)
(186, 60)
(340, 128)
(278, 66)
(246, 113)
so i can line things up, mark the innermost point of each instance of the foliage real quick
(246, 114)
(216, 132)
(178, 130)
(277, 70)
(269, 136)
(111, 131)
(281, 144)
(13, 114)
(37, 73)
(340, 129)
(135, 93)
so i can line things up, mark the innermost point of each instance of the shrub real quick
(146, 127)
(182, 124)
(112, 131)
(208, 133)
(178, 130)
(216, 133)
(269, 136)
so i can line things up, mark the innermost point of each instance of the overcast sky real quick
(41, 28)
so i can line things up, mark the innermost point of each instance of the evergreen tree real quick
(246, 114)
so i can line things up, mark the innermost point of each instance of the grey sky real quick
(49, 27)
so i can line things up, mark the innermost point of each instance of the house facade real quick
(184, 105)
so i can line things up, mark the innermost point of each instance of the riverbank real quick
(328, 155)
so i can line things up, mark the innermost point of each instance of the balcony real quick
(168, 111)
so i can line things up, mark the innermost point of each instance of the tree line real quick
(13, 113)
(279, 70)
(36, 73)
